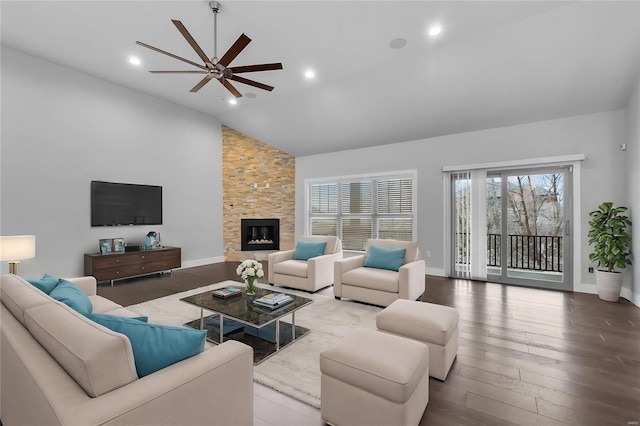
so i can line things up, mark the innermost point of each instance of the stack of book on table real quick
(223, 293)
(273, 300)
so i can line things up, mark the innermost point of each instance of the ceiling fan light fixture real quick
(213, 68)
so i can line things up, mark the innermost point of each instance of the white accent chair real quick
(309, 275)
(380, 286)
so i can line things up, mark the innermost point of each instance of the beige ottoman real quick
(373, 378)
(435, 325)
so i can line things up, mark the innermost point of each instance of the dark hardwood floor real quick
(526, 357)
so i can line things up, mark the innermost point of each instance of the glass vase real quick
(250, 284)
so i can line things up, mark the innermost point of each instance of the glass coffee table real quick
(238, 318)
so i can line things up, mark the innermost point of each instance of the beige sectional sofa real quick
(60, 368)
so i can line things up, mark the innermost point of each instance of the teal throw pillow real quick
(108, 317)
(71, 295)
(154, 346)
(45, 284)
(305, 250)
(385, 258)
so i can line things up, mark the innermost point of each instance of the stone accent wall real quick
(247, 162)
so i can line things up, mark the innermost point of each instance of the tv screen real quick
(114, 204)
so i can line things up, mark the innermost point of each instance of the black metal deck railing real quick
(528, 252)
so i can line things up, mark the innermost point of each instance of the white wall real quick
(61, 129)
(633, 179)
(598, 136)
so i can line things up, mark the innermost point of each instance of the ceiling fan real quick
(214, 67)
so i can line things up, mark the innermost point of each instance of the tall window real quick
(358, 209)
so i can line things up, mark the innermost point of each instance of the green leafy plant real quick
(609, 237)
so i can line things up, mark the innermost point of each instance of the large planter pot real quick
(609, 285)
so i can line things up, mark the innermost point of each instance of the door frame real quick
(568, 233)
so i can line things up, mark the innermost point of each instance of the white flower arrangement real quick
(250, 269)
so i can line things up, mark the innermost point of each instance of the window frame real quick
(339, 181)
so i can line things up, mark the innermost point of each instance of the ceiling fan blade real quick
(192, 42)
(230, 88)
(178, 72)
(251, 83)
(202, 82)
(253, 68)
(170, 55)
(235, 50)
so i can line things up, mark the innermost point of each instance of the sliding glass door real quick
(529, 228)
(525, 235)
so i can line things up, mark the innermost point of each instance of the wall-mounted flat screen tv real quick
(114, 204)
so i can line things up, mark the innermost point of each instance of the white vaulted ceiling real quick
(496, 63)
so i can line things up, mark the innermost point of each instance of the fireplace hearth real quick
(260, 234)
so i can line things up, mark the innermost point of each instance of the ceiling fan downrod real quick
(215, 8)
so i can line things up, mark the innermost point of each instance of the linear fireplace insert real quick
(260, 234)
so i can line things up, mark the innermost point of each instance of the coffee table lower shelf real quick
(263, 346)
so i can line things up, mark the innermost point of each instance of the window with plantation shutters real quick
(358, 209)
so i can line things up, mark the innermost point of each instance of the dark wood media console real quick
(117, 266)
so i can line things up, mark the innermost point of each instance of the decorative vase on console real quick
(250, 270)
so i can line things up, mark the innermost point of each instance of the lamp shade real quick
(17, 247)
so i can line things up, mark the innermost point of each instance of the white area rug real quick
(295, 370)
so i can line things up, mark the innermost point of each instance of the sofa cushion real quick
(296, 268)
(155, 346)
(374, 279)
(18, 295)
(98, 359)
(385, 258)
(71, 295)
(305, 250)
(411, 255)
(45, 284)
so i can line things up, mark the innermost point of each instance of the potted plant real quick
(610, 241)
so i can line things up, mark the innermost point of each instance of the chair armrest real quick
(411, 280)
(320, 269)
(350, 263)
(219, 380)
(277, 257)
(88, 284)
(280, 256)
(342, 266)
(324, 260)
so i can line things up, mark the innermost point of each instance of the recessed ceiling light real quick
(233, 101)
(250, 95)
(398, 43)
(435, 30)
(309, 74)
(134, 60)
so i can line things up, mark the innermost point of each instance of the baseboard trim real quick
(436, 272)
(202, 262)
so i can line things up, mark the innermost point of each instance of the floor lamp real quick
(16, 248)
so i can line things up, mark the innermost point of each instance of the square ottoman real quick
(373, 378)
(435, 325)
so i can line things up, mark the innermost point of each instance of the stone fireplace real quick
(260, 234)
